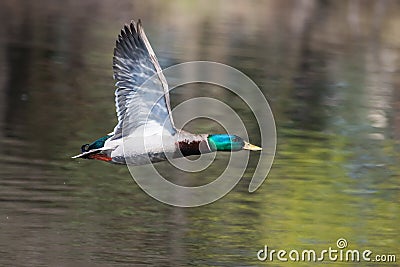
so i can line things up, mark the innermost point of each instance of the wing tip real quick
(133, 26)
(131, 33)
(139, 25)
(126, 30)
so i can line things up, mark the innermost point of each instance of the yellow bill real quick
(249, 146)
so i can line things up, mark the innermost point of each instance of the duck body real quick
(145, 132)
(139, 150)
(136, 150)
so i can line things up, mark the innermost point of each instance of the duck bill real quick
(248, 146)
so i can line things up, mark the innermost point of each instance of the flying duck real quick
(145, 132)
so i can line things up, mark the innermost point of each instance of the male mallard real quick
(144, 112)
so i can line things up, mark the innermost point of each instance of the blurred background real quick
(329, 69)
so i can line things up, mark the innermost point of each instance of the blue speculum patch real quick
(99, 142)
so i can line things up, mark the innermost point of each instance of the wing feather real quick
(142, 93)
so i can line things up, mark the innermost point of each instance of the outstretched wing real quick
(142, 91)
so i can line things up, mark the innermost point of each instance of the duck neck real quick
(193, 144)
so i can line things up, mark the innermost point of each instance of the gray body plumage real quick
(139, 150)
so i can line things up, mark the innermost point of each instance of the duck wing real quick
(142, 94)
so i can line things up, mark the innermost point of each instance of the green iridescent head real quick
(227, 142)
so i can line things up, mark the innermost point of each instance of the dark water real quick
(330, 70)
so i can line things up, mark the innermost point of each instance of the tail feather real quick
(86, 154)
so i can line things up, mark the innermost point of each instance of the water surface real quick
(329, 70)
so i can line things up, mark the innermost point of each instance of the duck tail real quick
(98, 154)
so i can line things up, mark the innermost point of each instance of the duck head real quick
(227, 142)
